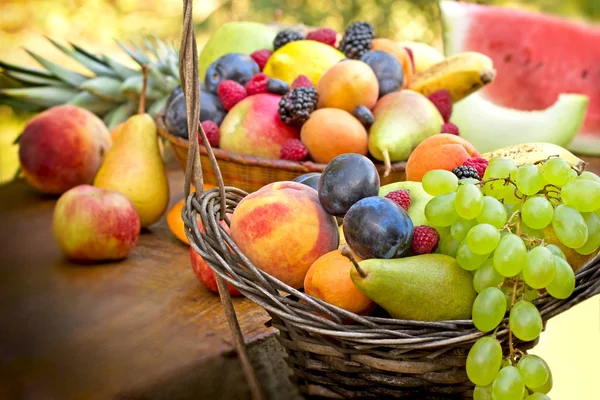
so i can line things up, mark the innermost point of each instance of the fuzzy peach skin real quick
(63, 147)
(253, 127)
(441, 151)
(283, 229)
(92, 224)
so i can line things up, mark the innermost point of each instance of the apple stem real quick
(142, 105)
(348, 254)
(386, 162)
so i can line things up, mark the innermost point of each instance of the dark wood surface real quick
(97, 332)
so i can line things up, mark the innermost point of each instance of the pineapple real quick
(112, 92)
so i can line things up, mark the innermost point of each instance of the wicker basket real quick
(250, 173)
(335, 353)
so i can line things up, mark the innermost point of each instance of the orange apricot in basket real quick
(174, 220)
(441, 151)
(329, 279)
(400, 53)
(282, 228)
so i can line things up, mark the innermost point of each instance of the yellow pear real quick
(134, 166)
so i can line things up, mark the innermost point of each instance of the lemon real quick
(302, 57)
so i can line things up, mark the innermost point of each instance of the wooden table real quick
(142, 328)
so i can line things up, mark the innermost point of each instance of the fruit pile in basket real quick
(317, 95)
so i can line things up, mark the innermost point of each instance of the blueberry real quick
(277, 86)
(375, 227)
(231, 66)
(176, 114)
(387, 68)
(364, 115)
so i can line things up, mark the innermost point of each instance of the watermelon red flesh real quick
(537, 58)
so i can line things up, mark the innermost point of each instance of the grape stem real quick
(512, 351)
(506, 180)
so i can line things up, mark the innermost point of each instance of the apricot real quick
(330, 132)
(328, 279)
(401, 54)
(441, 151)
(283, 229)
(347, 85)
(174, 220)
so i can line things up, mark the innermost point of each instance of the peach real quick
(63, 147)
(441, 151)
(347, 85)
(330, 132)
(253, 127)
(401, 54)
(92, 224)
(282, 228)
(328, 279)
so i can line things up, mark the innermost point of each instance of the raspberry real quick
(412, 57)
(323, 35)
(425, 240)
(301, 81)
(293, 150)
(449, 127)
(258, 84)
(480, 164)
(213, 134)
(261, 57)
(463, 172)
(230, 93)
(400, 197)
(443, 102)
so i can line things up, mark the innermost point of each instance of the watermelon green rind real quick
(490, 127)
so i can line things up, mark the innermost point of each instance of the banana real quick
(528, 153)
(460, 74)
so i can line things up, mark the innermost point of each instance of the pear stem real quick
(348, 254)
(386, 162)
(142, 105)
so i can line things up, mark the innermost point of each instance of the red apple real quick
(92, 224)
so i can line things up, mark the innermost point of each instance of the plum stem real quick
(386, 162)
(142, 105)
(348, 254)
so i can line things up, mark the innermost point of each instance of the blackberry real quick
(357, 39)
(465, 171)
(297, 104)
(286, 36)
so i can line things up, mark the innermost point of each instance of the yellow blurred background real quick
(571, 343)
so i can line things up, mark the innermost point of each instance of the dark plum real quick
(231, 66)
(376, 227)
(277, 86)
(387, 68)
(211, 108)
(345, 180)
(364, 115)
(311, 179)
(175, 112)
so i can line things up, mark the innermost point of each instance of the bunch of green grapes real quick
(496, 228)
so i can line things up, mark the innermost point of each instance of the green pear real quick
(402, 121)
(418, 199)
(427, 287)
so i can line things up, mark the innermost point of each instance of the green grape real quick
(499, 167)
(483, 361)
(557, 171)
(461, 227)
(439, 181)
(569, 226)
(469, 201)
(483, 238)
(534, 370)
(556, 251)
(581, 194)
(592, 220)
(537, 396)
(563, 284)
(508, 292)
(530, 294)
(492, 213)
(529, 179)
(537, 212)
(525, 321)
(467, 259)
(539, 269)
(589, 176)
(510, 209)
(532, 233)
(486, 276)
(440, 211)
(510, 255)
(508, 384)
(449, 246)
(546, 387)
(443, 231)
(483, 393)
(467, 181)
(489, 308)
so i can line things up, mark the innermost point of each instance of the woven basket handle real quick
(190, 85)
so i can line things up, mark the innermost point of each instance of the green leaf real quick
(158, 106)
(34, 80)
(43, 96)
(92, 103)
(119, 114)
(65, 75)
(86, 53)
(135, 56)
(132, 88)
(26, 70)
(105, 88)
(18, 104)
(121, 70)
(92, 65)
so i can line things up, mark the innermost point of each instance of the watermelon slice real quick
(537, 57)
